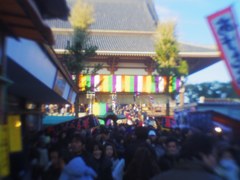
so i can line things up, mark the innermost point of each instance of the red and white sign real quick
(224, 28)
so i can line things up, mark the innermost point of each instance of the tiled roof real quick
(56, 23)
(221, 101)
(135, 15)
(131, 23)
(184, 47)
(112, 42)
(125, 15)
(123, 42)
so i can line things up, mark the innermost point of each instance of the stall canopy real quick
(21, 19)
(24, 18)
(86, 122)
(226, 120)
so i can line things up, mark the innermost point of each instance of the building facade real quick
(124, 32)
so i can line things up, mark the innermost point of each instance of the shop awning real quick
(226, 120)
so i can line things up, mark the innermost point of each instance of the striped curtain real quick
(100, 108)
(127, 83)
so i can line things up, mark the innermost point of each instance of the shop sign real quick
(224, 27)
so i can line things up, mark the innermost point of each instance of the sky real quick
(192, 27)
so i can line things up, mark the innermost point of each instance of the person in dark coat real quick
(143, 166)
(78, 148)
(198, 160)
(141, 134)
(54, 169)
(101, 164)
(170, 158)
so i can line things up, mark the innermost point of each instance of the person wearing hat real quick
(153, 141)
(152, 133)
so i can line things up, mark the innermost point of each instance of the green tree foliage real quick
(81, 15)
(78, 52)
(167, 58)
(210, 90)
(80, 49)
(168, 61)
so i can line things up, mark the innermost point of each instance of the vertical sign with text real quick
(224, 28)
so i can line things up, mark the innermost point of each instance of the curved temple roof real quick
(126, 27)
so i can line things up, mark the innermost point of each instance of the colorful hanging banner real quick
(224, 27)
(127, 83)
(100, 108)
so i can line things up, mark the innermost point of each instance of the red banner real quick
(224, 28)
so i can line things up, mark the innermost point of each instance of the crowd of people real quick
(132, 152)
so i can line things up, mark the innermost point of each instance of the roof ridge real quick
(103, 31)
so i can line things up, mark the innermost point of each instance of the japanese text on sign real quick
(224, 28)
